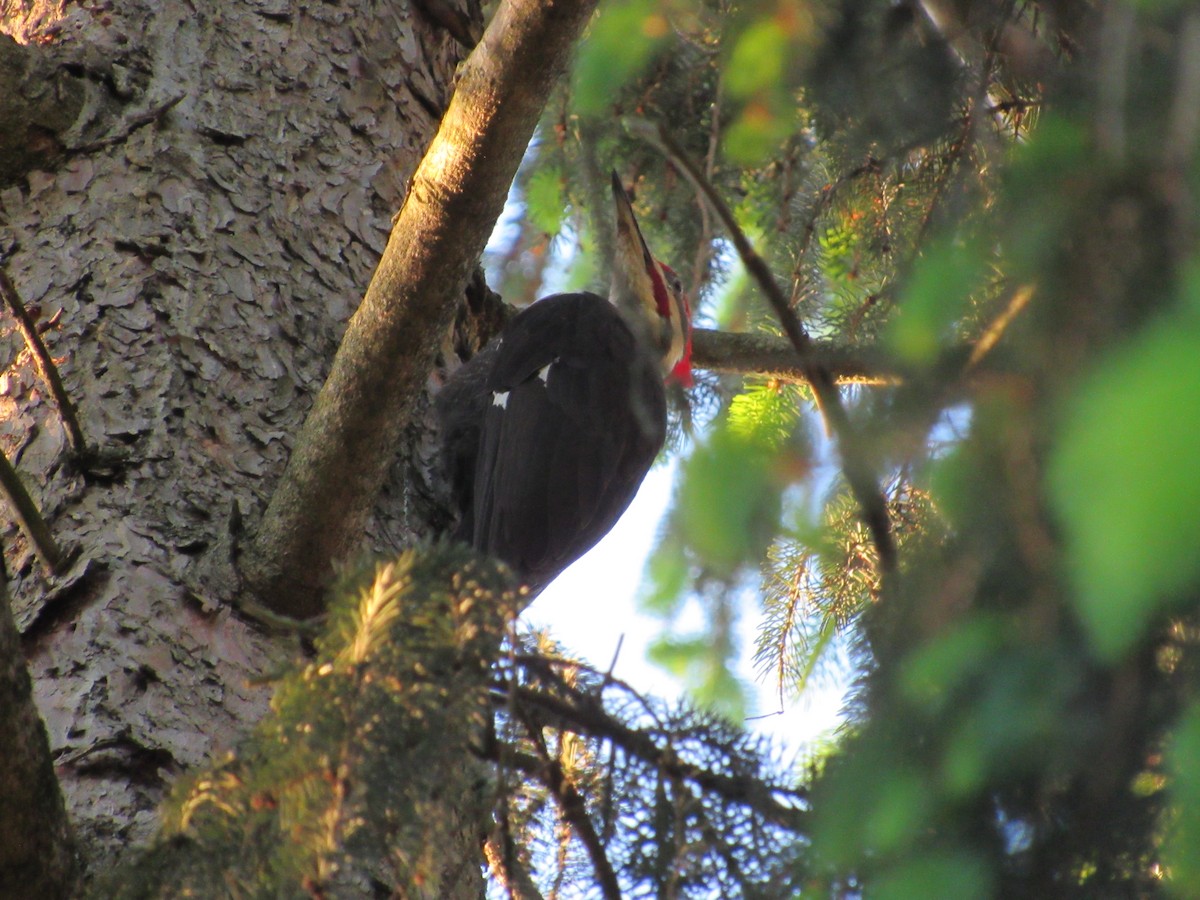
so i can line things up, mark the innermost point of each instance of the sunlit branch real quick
(769, 356)
(992, 334)
(505, 865)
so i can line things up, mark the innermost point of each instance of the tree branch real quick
(44, 363)
(768, 356)
(574, 809)
(29, 517)
(322, 502)
(859, 472)
(586, 716)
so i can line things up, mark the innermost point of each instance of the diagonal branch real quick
(44, 364)
(322, 502)
(859, 472)
(29, 517)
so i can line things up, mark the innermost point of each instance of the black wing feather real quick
(562, 458)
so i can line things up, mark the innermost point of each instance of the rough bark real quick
(193, 260)
(340, 459)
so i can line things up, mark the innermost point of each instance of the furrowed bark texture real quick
(192, 245)
(323, 501)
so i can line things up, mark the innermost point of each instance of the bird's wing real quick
(577, 417)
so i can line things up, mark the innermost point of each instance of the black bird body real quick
(576, 415)
(549, 431)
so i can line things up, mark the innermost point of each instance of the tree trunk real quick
(193, 245)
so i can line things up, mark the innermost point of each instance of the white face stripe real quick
(500, 399)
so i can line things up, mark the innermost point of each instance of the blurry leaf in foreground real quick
(758, 129)
(759, 57)
(1125, 484)
(935, 298)
(702, 664)
(869, 804)
(728, 502)
(1183, 835)
(544, 201)
(622, 40)
(934, 876)
(931, 675)
(667, 576)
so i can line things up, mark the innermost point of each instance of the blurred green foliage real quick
(1125, 484)
(997, 203)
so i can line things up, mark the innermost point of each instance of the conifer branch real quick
(769, 356)
(855, 465)
(586, 716)
(574, 810)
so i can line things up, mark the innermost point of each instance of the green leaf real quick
(667, 576)
(869, 804)
(759, 129)
(758, 59)
(702, 664)
(544, 200)
(933, 876)
(620, 44)
(1183, 835)
(1125, 484)
(930, 675)
(936, 297)
(728, 502)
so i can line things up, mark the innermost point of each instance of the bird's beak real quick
(640, 291)
(633, 267)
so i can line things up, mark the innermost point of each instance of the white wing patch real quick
(500, 399)
(544, 372)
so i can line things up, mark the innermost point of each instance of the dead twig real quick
(132, 124)
(30, 518)
(44, 364)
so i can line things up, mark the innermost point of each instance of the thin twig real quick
(44, 364)
(132, 124)
(29, 517)
(857, 469)
(995, 330)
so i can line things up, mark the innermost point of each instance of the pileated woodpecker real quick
(549, 431)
